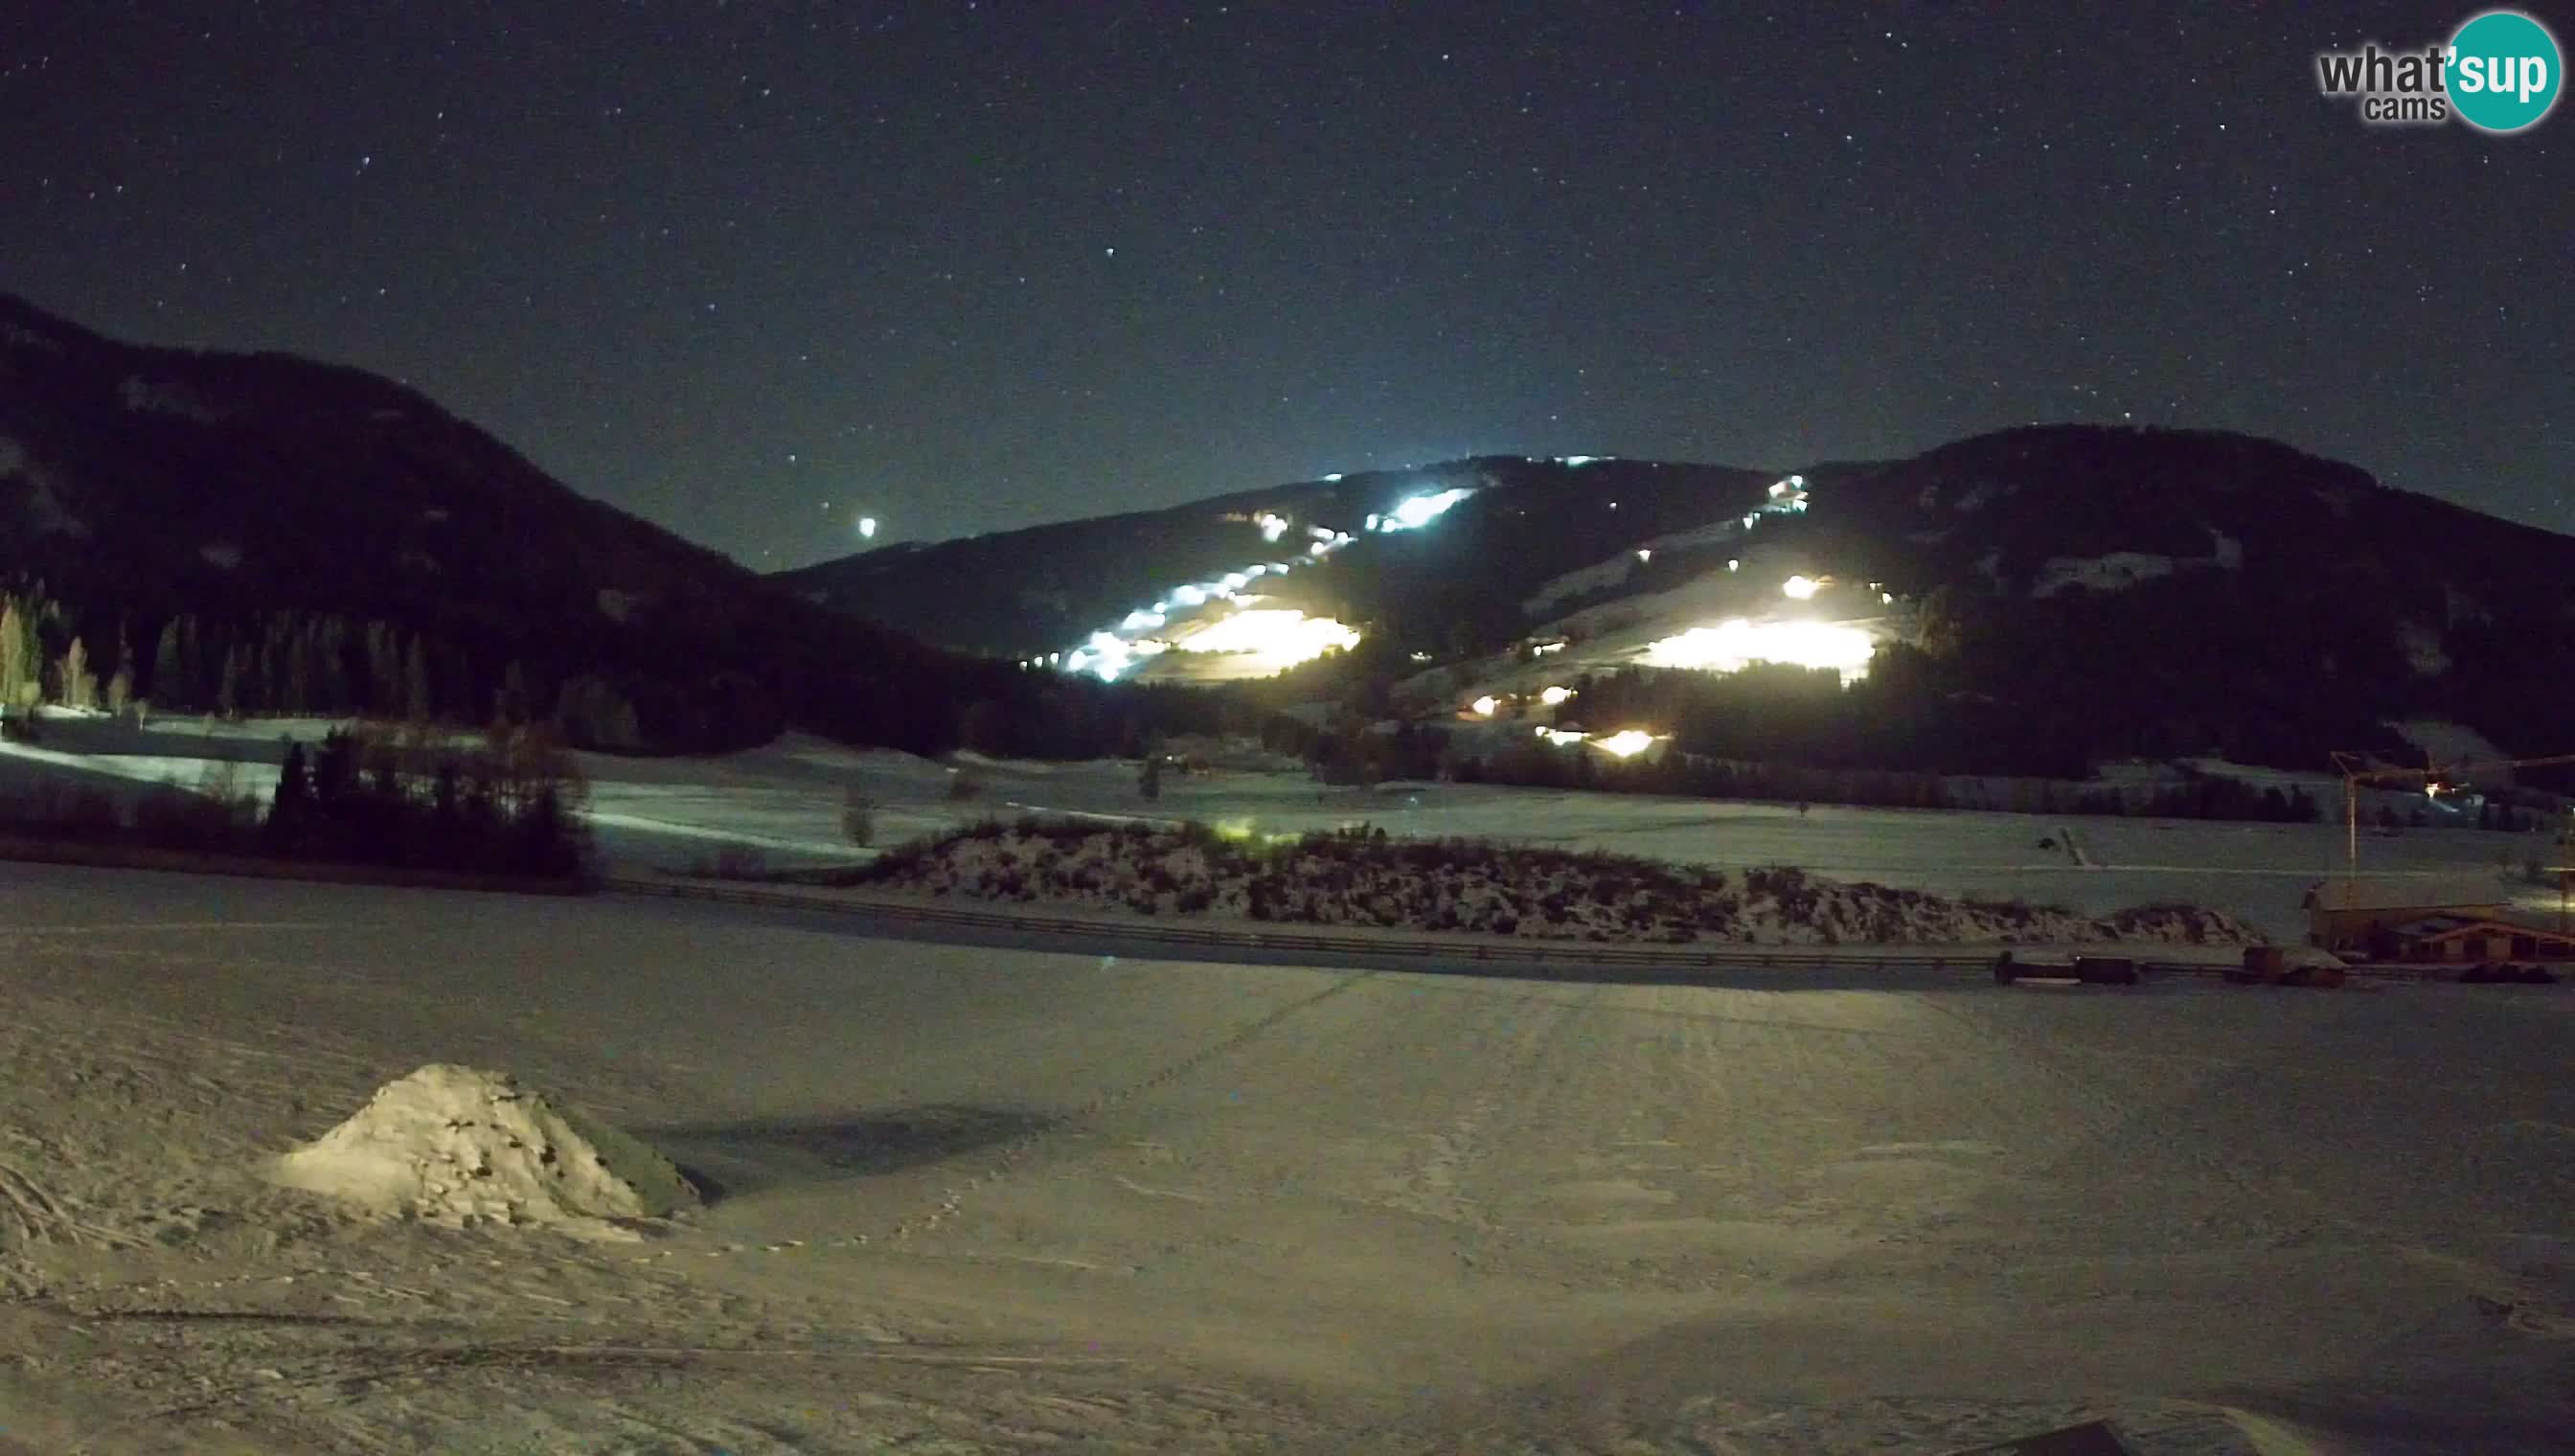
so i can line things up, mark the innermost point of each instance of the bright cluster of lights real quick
(1274, 635)
(1277, 636)
(1420, 510)
(1732, 646)
(1799, 588)
(1625, 744)
(1110, 656)
(1554, 696)
(1787, 497)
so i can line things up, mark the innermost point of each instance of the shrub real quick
(741, 861)
(858, 817)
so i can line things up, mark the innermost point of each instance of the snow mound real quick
(457, 1146)
(1488, 887)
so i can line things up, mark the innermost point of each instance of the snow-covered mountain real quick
(2196, 590)
(290, 536)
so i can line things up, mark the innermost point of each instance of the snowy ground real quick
(784, 800)
(984, 1200)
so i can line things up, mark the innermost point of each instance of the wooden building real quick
(2467, 939)
(2344, 912)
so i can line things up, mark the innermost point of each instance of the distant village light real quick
(1485, 704)
(866, 528)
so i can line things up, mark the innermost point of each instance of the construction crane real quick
(2357, 770)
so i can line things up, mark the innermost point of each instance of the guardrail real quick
(1498, 951)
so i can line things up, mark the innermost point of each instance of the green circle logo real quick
(2504, 71)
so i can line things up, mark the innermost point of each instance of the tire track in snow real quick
(1505, 1101)
(2144, 1129)
(995, 1163)
(41, 1219)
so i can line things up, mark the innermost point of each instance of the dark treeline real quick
(507, 805)
(851, 681)
(1917, 713)
(2200, 796)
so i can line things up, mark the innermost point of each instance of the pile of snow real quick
(1488, 888)
(457, 1146)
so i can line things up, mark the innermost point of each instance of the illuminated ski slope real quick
(1226, 618)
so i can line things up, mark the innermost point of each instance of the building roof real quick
(2406, 893)
(2451, 927)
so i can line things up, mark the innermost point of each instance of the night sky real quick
(975, 265)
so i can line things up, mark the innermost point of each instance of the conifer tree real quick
(418, 705)
(17, 665)
(170, 665)
(80, 685)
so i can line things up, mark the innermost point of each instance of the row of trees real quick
(29, 674)
(412, 797)
(507, 804)
(324, 664)
(2202, 797)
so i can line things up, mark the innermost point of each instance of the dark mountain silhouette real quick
(1044, 588)
(269, 534)
(2064, 592)
(262, 533)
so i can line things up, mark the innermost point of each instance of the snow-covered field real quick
(982, 1200)
(784, 800)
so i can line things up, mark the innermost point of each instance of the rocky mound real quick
(1364, 878)
(457, 1146)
